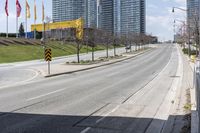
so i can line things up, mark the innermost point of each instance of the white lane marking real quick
(36, 74)
(85, 130)
(23, 81)
(99, 120)
(40, 96)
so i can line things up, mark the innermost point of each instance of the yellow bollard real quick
(193, 58)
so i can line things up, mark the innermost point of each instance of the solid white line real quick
(85, 130)
(23, 81)
(99, 120)
(50, 93)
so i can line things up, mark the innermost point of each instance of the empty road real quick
(133, 96)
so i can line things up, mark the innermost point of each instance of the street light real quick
(182, 9)
(185, 10)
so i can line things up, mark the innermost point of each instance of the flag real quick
(28, 14)
(18, 6)
(42, 10)
(6, 8)
(35, 11)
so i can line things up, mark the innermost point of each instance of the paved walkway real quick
(180, 110)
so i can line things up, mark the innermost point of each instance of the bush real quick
(192, 52)
(9, 35)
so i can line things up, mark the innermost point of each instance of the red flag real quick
(18, 6)
(6, 8)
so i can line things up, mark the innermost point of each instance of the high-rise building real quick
(114, 16)
(132, 16)
(106, 15)
(193, 14)
(64, 10)
(123, 16)
(67, 9)
(117, 17)
(143, 16)
(90, 13)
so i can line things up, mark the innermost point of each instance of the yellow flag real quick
(43, 10)
(28, 14)
(35, 11)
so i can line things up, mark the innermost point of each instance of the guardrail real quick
(196, 103)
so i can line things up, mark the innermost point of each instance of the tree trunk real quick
(87, 48)
(78, 52)
(107, 50)
(115, 50)
(92, 53)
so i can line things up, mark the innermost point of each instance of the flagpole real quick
(43, 30)
(17, 34)
(26, 18)
(7, 27)
(34, 20)
(34, 29)
(16, 23)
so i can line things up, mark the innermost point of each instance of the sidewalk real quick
(190, 64)
(63, 68)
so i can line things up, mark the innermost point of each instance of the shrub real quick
(192, 52)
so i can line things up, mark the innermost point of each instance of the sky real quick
(159, 16)
(160, 19)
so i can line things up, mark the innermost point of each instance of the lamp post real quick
(185, 10)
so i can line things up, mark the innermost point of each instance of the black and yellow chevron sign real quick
(48, 54)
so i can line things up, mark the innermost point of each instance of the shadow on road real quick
(38, 123)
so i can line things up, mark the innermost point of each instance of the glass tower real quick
(114, 16)
(132, 16)
(64, 10)
(106, 15)
(123, 16)
(117, 17)
(193, 7)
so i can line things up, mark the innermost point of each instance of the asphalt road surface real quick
(20, 72)
(130, 96)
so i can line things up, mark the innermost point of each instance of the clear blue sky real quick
(159, 19)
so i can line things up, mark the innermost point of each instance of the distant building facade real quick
(132, 16)
(123, 16)
(106, 15)
(64, 10)
(193, 12)
(115, 16)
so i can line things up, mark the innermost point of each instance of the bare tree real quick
(196, 32)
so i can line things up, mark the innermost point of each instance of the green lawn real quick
(15, 53)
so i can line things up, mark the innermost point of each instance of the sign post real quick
(48, 58)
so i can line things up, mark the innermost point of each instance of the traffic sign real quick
(48, 53)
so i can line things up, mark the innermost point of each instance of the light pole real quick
(185, 10)
(173, 9)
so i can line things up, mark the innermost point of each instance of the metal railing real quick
(197, 89)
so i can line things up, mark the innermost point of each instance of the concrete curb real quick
(101, 65)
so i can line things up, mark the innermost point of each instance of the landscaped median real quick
(72, 67)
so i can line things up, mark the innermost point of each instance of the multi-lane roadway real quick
(133, 96)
